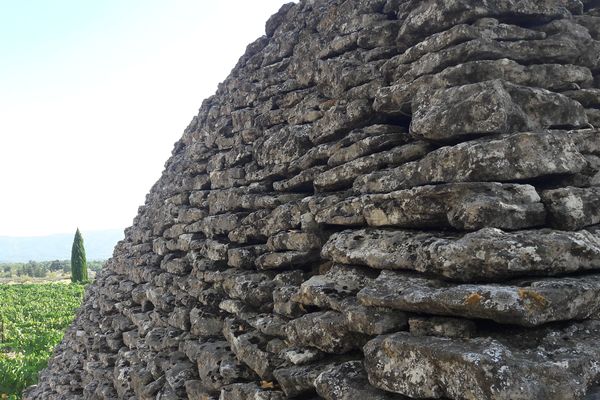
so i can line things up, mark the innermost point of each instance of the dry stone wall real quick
(386, 199)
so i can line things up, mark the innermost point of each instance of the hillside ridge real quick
(99, 246)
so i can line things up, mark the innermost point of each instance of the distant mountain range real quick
(98, 246)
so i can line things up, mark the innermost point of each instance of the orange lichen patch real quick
(387, 351)
(535, 298)
(267, 385)
(473, 298)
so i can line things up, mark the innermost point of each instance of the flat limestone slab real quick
(433, 16)
(572, 207)
(489, 28)
(397, 99)
(503, 158)
(331, 289)
(345, 174)
(487, 254)
(348, 381)
(545, 365)
(464, 206)
(327, 331)
(522, 302)
(554, 49)
(491, 107)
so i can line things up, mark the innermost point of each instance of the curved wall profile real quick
(386, 199)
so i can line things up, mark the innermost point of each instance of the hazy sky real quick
(93, 94)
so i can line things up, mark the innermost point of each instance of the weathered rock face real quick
(507, 367)
(386, 199)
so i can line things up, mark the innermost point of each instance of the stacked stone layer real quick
(386, 199)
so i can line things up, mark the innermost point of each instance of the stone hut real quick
(386, 199)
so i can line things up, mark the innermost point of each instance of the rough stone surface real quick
(506, 158)
(487, 254)
(348, 381)
(573, 208)
(442, 326)
(464, 206)
(491, 107)
(334, 288)
(527, 302)
(417, 176)
(534, 365)
(327, 331)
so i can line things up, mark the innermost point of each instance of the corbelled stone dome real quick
(386, 199)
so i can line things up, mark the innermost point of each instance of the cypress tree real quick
(78, 262)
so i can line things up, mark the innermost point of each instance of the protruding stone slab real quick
(464, 206)
(286, 259)
(489, 28)
(522, 302)
(249, 347)
(348, 381)
(343, 175)
(397, 99)
(368, 145)
(505, 158)
(331, 289)
(573, 208)
(303, 182)
(294, 240)
(282, 303)
(220, 225)
(487, 254)
(213, 357)
(299, 379)
(442, 326)
(587, 97)
(244, 257)
(204, 323)
(587, 141)
(545, 365)
(254, 289)
(373, 320)
(301, 355)
(554, 49)
(241, 198)
(434, 16)
(282, 145)
(491, 107)
(327, 331)
(593, 115)
(345, 211)
(249, 391)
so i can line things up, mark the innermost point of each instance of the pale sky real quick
(93, 95)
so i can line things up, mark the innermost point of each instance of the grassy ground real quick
(33, 318)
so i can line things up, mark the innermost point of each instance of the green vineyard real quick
(33, 318)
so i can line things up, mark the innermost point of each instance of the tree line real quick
(77, 266)
(41, 269)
